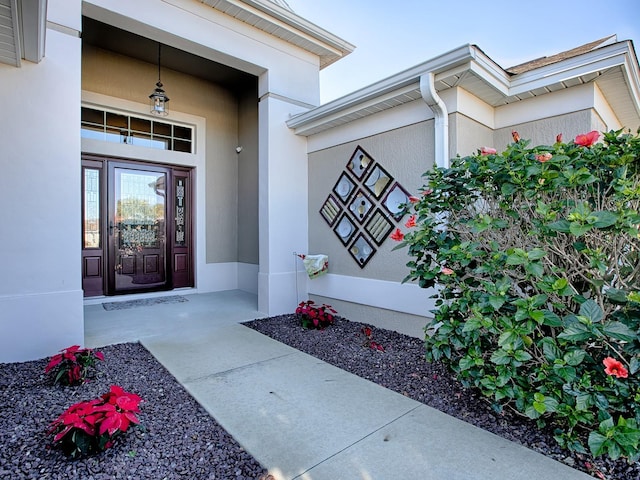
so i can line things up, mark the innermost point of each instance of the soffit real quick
(281, 22)
(9, 44)
(613, 68)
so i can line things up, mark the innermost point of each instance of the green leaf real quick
(522, 356)
(574, 357)
(597, 443)
(496, 302)
(500, 357)
(604, 219)
(619, 331)
(535, 268)
(466, 363)
(536, 254)
(509, 340)
(578, 229)
(550, 349)
(616, 295)
(562, 226)
(591, 310)
(575, 332)
(551, 319)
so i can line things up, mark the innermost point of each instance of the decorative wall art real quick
(364, 207)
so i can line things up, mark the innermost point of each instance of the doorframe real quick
(100, 260)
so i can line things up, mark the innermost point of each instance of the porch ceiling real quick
(129, 44)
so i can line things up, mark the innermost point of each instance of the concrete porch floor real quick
(300, 417)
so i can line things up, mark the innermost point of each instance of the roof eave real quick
(287, 25)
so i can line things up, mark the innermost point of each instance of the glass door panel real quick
(137, 229)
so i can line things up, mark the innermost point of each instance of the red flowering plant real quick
(368, 340)
(315, 316)
(73, 365)
(535, 253)
(92, 426)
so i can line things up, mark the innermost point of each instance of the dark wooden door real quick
(137, 228)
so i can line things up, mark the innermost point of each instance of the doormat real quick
(143, 302)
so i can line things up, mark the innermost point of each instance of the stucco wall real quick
(40, 290)
(115, 75)
(467, 135)
(406, 153)
(543, 132)
(248, 178)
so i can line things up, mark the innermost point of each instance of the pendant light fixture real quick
(158, 98)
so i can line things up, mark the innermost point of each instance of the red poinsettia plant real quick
(72, 365)
(315, 316)
(92, 426)
(368, 340)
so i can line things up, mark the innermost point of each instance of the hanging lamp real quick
(158, 98)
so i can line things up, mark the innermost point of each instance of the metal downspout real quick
(435, 103)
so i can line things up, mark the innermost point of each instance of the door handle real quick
(110, 227)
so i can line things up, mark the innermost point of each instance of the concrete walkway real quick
(300, 417)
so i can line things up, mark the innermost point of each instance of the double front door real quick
(136, 226)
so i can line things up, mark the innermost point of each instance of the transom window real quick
(120, 128)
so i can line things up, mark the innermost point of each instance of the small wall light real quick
(158, 98)
(238, 149)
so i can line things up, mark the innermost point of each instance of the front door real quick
(138, 238)
(137, 228)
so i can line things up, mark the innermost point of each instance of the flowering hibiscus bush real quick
(92, 426)
(73, 365)
(535, 253)
(312, 315)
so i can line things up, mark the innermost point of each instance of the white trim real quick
(604, 110)
(406, 298)
(391, 119)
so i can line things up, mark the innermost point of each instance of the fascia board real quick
(275, 15)
(598, 60)
(409, 78)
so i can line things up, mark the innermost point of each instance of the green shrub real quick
(535, 257)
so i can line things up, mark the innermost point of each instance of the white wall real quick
(40, 288)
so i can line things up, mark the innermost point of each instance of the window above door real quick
(115, 127)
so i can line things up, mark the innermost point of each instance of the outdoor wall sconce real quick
(158, 98)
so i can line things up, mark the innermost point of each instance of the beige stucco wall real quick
(406, 153)
(248, 239)
(467, 135)
(543, 132)
(119, 76)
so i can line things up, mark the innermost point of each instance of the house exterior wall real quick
(375, 294)
(42, 299)
(40, 290)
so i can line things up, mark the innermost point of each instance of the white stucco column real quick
(283, 201)
(40, 286)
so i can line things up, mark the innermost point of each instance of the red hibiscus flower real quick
(559, 138)
(488, 151)
(516, 136)
(411, 222)
(544, 157)
(614, 368)
(413, 199)
(397, 235)
(446, 271)
(587, 139)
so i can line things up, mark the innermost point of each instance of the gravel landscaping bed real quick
(179, 440)
(402, 368)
